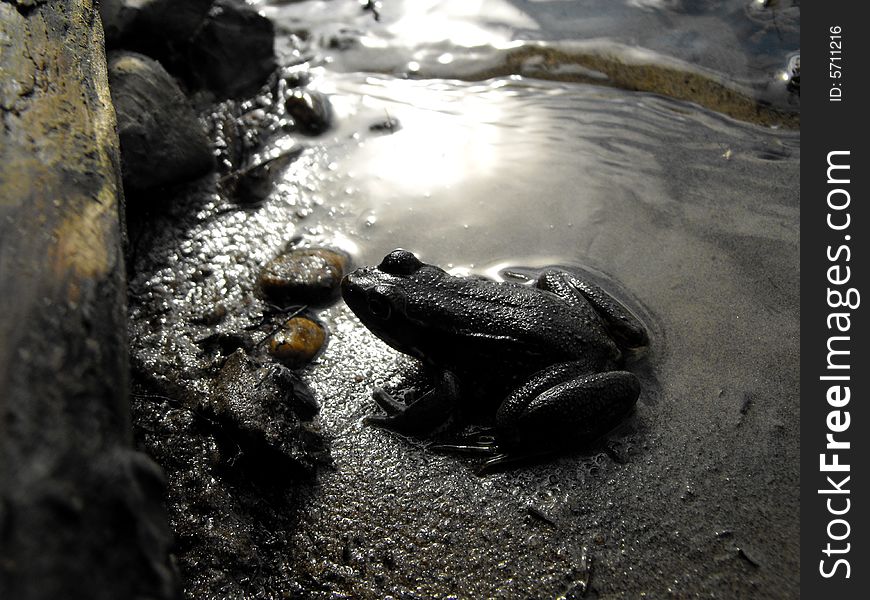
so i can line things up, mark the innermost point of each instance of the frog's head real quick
(383, 298)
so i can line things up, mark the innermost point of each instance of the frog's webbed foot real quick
(480, 442)
(486, 445)
(559, 407)
(626, 328)
(427, 413)
(508, 460)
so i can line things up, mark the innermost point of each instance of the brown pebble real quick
(304, 276)
(298, 342)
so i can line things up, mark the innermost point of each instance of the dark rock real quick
(121, 499)
(232, 53)
(232, 508)
(226, 343)
(264, 417)
(224, 46)
(159, 28)
(311, 111)
(299, 341)
(254, 182)
(162, 141)
(388, 125)
(308, 276)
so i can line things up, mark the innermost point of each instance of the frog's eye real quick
(383, 300)
(400, 262)
(380, 307)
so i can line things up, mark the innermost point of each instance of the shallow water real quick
(693, 214)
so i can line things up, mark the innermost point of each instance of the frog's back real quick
(508, 321)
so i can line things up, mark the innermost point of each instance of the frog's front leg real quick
(430, 412)
(626, 328)
(564, 404)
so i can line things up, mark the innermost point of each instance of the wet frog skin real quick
(544, 357)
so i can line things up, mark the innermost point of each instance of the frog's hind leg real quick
(626, 328)
(427, 414)
(558, 407)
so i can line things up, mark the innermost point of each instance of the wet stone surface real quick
(162, 140)
(215, 505)
(304, 275)
(237, 441)
(223, 46)
(216, 402)
(232, 51)
(265, 411)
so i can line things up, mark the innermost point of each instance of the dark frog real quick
(543, 358)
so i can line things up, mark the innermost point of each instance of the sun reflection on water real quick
(460, 22)
(444, 138)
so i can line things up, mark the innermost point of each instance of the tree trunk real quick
(80, 511)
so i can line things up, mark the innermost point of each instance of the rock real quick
(224, 46)
(264, 414)
(233, 498)
(304, 276)
(159, 28)
(254, 182)
(162, 141)
(233, 53)
(388, 125)
(299, 341)
(311, 111)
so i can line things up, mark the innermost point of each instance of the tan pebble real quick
(298, 342)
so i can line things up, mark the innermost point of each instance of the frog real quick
(541, 360)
